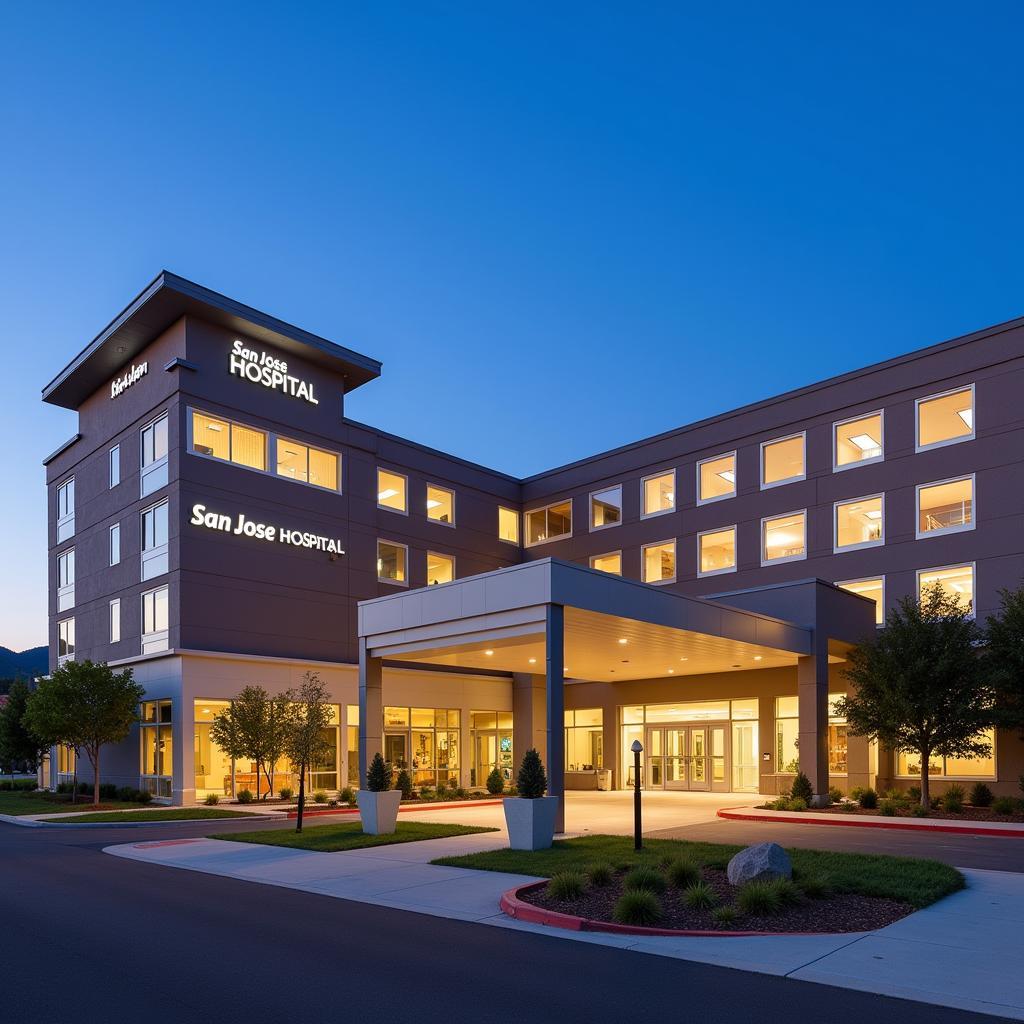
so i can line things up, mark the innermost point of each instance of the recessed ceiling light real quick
(533, 661)
(728, 476)
(565, 668)
(671, 670)
(865, 442)
(684, 659)
(757, 657)
(967, 415)
(390, 492)
(488, 653)
(432, 503)
(623, 640)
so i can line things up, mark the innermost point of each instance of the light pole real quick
(637, 748)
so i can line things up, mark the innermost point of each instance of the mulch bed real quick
(967, 814)
(836, 913)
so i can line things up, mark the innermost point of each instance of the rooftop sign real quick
(261, 367)
(127, 379)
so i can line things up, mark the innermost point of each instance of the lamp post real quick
(637, 748)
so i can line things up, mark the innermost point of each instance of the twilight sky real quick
(561, 230)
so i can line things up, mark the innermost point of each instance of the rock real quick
(760, 863)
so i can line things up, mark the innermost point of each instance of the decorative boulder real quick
(760, 863)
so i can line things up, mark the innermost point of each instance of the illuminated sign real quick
(129, 378)
(245, 527)
(263, 368)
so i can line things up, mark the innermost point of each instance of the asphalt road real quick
(89, 937)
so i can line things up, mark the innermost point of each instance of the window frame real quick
(68, 519)
(66, 591)
(158, 551)
(519, 527)
(113, 619)
(310, 447)
(765, 562)
(545, 509)
(701, 574)
(606, 554)
(590, 508)
(838, 548)
(114, 530)
(114, 461)
(376, 493)
(674, 541)
(945, 776)
(918, 402)
(844, 584)
(735, 484)
(973, 614)
(384, 579)
(802, 434)
(675, 493)
(440, 554)
(947, 530)
(154, 468)
(63, 659)
(836, 468)
(157, 636)
(440, 522)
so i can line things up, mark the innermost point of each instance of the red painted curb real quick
(963, 830)
(512, 905)
(444, 805)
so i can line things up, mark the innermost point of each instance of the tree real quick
(532, 781)
(308, 740)
(254, 725)
(1004, 658)
(920, 685)
(85, 706)
(17, 744)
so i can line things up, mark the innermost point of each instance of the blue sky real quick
(561, 227)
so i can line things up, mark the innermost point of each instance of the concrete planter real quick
(378, 811)
(531, 823)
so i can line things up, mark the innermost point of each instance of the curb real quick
(136, 824)
(442, 806)
(963, 830)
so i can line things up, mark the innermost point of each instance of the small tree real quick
(1004, 658)
(308, 741)
(403, 782)
(86, 706)
(802, 788)
(378, 775)
(17, 744)
(495, 782)
(532, 782)
(920, 685)
(256, 726)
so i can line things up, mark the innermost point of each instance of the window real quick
(423, 741)
(306, 464)
(66, 510)
(154, 621)
(874, 589)
(908, 764)
(956, 580)
(508, 525)
(857, 441)
(65, 641)
(945, 507)
(153, 459)
(584, 739)
(440, 568)
(782, 461)
(657, 494)
(784, 538)
(945, 419)
(838, 763)
(114, 465)
(157, 768)
(391, 491)
(221, 439)
(154, 541)
(550, 523)
(391, 562)
(716, 551)
(606, 508)
(610, 563)
(658, 562)
(440, 505)
(66, 580)
(115, 620)
(491, 744)
(859, 523)
(716, 478)
(115, 544)
(787, 736)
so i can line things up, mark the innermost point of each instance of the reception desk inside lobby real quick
(589, 778)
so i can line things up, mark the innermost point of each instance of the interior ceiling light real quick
(757, 657)
(623, 640)
(874, 513)
(216, 427)
(533, 661)
(488, 653)
(390, 492)
(728, 476)
(865, 442)
(967, 415)
(684, 659)
(432, 503)
(671, 671)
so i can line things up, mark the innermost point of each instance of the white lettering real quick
(130, 377)
(261, 367)
(245, 527)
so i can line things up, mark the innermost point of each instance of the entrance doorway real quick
(690, 758)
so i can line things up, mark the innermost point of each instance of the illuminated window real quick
(550, 523)
(716, 551)
(65, 641)
(115, 620)
(508, 525)
(392, 491)
(874, 589)
(787, 732)
(606, 508)
(440, 505)
(716, 478)
(658, 562)
(859, 523)
(66, 580)
(838, 733)
(115, 544)
(782, 461)
(945, 419)
(945, 507)
(857, 441)
(114, 465)
(154, 621)
(391, 562)
(955, 580)
(221, 439)
(440, 568)
(66, 510)
(784, 538)
(156, 733)
(610, 563)
(658, 494)
(908, 764)
(154, 541)
(307, 465)
(153, 456)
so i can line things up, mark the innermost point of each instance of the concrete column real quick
(555, 693)
(183, 726)
(371, 710)
(529, 717)
(858, 763)
(812, 689)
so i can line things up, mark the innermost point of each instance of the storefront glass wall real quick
(157, 748)
(424, 742)
(491, 740)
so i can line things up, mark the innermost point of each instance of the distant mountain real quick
(33, 662)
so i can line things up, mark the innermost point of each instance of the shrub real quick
(567, 885)
(123, 793)
(835, 794)
(914, 794)
(1020, 783)
(143, 796)
(759, 898)
(495, 783)
(1004, 805)
(211, 800)
(868, 799)
(244, 796)
(953, 799)
(856, 792)
(935, 802)
(682, 873)
(788, 891)
(725, 915)
(644, 877)
(888, 808)
(796, 803)
(378, 775)
(108, 791)
(320, 796)
(637, 907)
(893, 794)
(600, 875)
(802, 788)
(981, 795)
(285, 792)
(532, 782)
(427, 792)
(700, 896)
(920, 812)
(778, 805)
(346, 796)
(404, 783)
(815, 886)
(333, 802)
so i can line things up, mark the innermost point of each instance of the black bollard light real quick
(637, 749)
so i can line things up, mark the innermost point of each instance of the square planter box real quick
(378, 811)
(531, 823)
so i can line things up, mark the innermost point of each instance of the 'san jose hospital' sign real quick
(245, 527)
(261, 367)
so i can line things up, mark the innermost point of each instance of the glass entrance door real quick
(691, 758)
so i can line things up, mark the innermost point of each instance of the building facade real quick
(217, 521)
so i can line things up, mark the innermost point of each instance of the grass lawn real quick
(156, 814)
(913, 881)
(18, 803)
(349, 835)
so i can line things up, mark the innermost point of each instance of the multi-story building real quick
(218, 521)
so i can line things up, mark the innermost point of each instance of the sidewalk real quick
(964, 952)
(1008, 829)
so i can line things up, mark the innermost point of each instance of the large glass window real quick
(66, 510)
(115, 620)
(874, 590)
(716, 478)
(352, 744)
(65, 641)
(423, 741)
(784, 538)
(787, 732)
(491, 742)
(955, 580)
(114, 465)
(66, 580)
(440, 504)
(440, 568)
(391, 562)
(837, 737)
(155, 631)
(946, 418)
(584, 739)
(857, 441)
(154, 541)
(945, 507)
(157, 768)
(392, 491)
(716, 551)
(306, 464)
(153, 460)
(860, 522)
(610, 563)
(549, 523)
(606, 507)
(115, 544)
(782, 461)
(233, 442)
(908, 764)
(508, 525)
(658, 562)
(658, 494)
